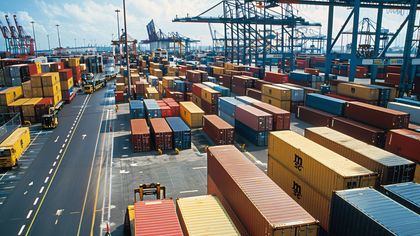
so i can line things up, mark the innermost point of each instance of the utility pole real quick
(33, 32)
(49, 47)
(126, 51)
(58, 34)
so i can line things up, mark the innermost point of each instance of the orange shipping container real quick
(191, 114)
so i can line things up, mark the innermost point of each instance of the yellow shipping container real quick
(12, 147)
(168, 81)
(28, 108)
(204, 215)
(27, 89)
(358, 91)
(56, 98)
(368, 156)
(417, 174)
(158, 73)
(120, 79)
(50, 79)
(9, 95)
(285, 105)
(38, 67)
(152, 93)
(310, 199)
(37, 92)
(191, 114)
(206, 94)
(16, 106)
(120, 86)
(160, 87)
(73, 62)
(229, 66)
(282, 94)
(50, 91)
(196, 100)
(36, 81)
(66, 85)
(218, 70)
(320, 167)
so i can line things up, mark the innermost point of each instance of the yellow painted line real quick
(52, 179)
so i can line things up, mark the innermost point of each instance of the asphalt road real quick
(59, 193)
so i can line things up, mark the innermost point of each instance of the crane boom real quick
(12, 28)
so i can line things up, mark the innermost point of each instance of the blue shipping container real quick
(247, 100)
(414, 111)
(179, 85)
(407, 194)
(227, 118)
(365, 211)
(408, 101)
(255, 137)
(136, 109)
(181, 133)
(152, 108)
(324, 103)
(228, 105)
(225, 92)
(301, 76)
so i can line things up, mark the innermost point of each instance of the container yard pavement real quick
(51, 196)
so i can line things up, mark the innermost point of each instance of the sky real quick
(94, 21)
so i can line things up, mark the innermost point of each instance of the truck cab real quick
(88, 88)
(6, 159)
(12, 148)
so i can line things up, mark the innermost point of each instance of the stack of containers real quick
(28, 109)
(193, 211)
(219, 131)
(136, 109)
(152, 93)
(405, 143)
(194, 76)
(42, 108)
(140, 135)
(351, 215)
(196, 93)
(9, 95)
(16, 106)
(47, 85)
(224, 92)
(225, 80)
(165, 110)
(385, 94)
(181, 133)
(152, 109)
(309, 172)
(276, 96)
(237, 182)
(275, 77)
(209, 98)
(27, 89)
(311, 80)
(66, 84)
(140, 88)
(319, 110)
(254, 93)
(296, 96)
(281, 118)
(362, 93)
(74, 64)
(390, 167)
(153, 80)
(173, 105)
(241, 83)
(226, 109)
(253, 124)
(161, 134)
(191, 114)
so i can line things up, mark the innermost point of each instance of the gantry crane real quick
(17, 41)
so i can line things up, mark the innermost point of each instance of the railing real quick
(9, 123)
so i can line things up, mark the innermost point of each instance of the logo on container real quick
(298, 162)
(297, 191)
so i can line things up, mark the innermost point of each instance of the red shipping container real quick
(364, 133)
(393, 78)
(178, 96)
(333, 95)
(161, 134)
(393, 69)
(28, 70)
(225, 80)
(196, 89)
(238, 184)
(193, 76)
(140, 135)
(65, 74)
(281, 118)
(254, 118)
(380, 117)
(311, 71)
(314, 117)
(219, 131)
(188, 97)
(67, 96)
(247, 73)
(42, 108)
(173, 105)
(259, 83)
(404, 142)
(253, 93)
(241, 83)
(156, 217)
(119, 96)
(208, 108)
(77, 75)
(275, 77)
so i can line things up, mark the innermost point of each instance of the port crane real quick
(17, 41)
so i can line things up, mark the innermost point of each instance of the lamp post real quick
(33, 32)
(49, 47)
(118, 30)
(58, 34)
(126, 50)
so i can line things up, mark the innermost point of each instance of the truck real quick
(12, 148)
(91, 84)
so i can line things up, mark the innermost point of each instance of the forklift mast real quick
(150, 189)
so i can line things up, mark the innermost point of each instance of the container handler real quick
(50, 120)
(12, 148)
(91, 84)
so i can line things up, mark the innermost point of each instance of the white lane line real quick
(46, 180)
(189, 191)
(62, 146)
(56, 140)
(55, 163)
(51, 170)
(36, 201)
(41, 190)
(61, 150)
(69, 131)
(29, 214)
(200, 167)
(68, 135)
(21, 229)
(58, 156)
(66, 140)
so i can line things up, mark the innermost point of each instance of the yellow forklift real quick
(50, 120)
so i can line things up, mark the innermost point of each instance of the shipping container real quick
(358, 91)
(296, 94)
(404, 142)
(10, 95)
(238, 184)
(140, 135)
(136, 109)
(376, 116)
(324, 103)
(254, 118)
(357, 130)
(27, 89)
(285, 105)
(152, 108)
(407, 194)
(320, 167)
(12, 148)
(219, 131)
(279, 93)
(408, 101)
(161, 134)
(259, 138)
(253, 93)
(314, 117)
(191, 114)
(28, 109)
(390, 167)
(228, 105)
(281, 118)
(210, 95)
(414, 111)
(181, 133)
(247, 100)
(365, 211)
(155, 217)
(229, 119)
(204, 215)
(16, 106)
(43, 107)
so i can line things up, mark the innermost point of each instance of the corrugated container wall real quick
(181, 133)
(161, 134)
(219, 131)
(407, 194)
(140, 135)
(191, 114)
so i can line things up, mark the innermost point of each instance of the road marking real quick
(46, 180)
(58, 156)
(66, 140)
(189, 191)
(36, 201)
(55, 163)
(29, 214)
(62, 146)
(51, 170)
(31, 183)
(21, 229)
(68, 135)
(124, 155)
(125, 148)
(61, 150)
(56, 140)
(69, 131)
(83, 136)
(25, 192)
(41, 190)
(200, 167)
